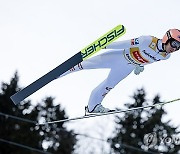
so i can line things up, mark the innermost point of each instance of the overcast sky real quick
(38, 35)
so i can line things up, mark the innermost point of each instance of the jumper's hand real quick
(138, 69)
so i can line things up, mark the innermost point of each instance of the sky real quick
(38, 35)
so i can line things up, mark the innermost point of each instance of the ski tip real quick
(14, 99)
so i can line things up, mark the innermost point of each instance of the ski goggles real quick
(175, 44)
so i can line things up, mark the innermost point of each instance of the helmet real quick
(172, 34)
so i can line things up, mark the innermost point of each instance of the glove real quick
(138, 69)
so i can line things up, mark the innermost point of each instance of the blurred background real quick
(37, 36)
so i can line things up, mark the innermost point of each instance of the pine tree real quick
(61, 141)
(53, 138)
(131, 129)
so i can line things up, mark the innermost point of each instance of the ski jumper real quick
(121, 58)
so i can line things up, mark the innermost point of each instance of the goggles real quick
(175, 44)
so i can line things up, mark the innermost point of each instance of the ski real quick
(107, 113)
(84, 54)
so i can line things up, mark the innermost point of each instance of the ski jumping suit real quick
(122, 58)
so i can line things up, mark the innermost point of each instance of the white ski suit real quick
(122, 58)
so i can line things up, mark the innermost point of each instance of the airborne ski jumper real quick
(122, 58)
